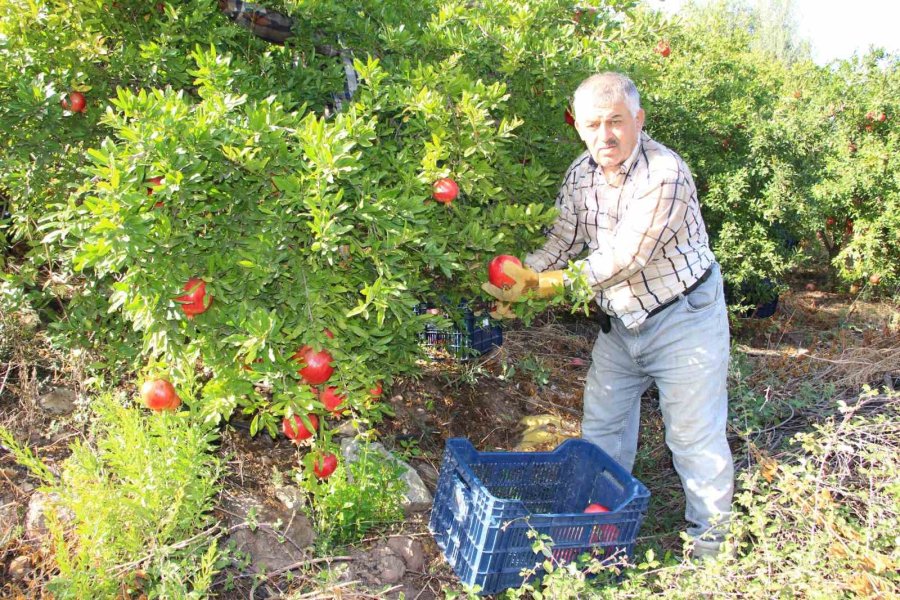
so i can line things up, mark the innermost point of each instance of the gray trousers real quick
(684, 349)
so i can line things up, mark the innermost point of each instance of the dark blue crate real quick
(764, 310)
(478, 335)
(486, 503)
(762, 298)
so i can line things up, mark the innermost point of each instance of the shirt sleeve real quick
(565, 240)
(653, 217)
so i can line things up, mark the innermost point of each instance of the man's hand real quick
(545, 284)
(501, 310)
(524, 279)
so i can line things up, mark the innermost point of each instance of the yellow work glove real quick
(544, 284)
(502, 311)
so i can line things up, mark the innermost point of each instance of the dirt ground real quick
(818, 348)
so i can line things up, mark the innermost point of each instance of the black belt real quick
(606, 320)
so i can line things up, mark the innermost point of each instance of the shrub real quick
(206, 153)
(356, 497)
(856, 195)
(297, 220)
(135, 496)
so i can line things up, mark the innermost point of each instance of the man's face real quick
(609, 131)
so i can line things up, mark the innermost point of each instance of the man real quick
(633, 203)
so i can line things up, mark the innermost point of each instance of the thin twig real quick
(382, 593)
(119, 569)
(393, 535)
(216, 530)
(318, 593)
(5, 376)
(307, 563)
(546, 404)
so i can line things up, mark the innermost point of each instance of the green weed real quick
(750, 411)
(355, 498)
(535, 368)
(131, 502)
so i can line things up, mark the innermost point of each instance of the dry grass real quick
(855, 367)
(819, 340)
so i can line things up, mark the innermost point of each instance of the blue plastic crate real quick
(764, 310)
(762, 297)
(479, 334)
(486, 502)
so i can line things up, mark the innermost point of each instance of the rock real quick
(279, 538)
(20, 568)
(58, 401)
(28, 319)
(389, 567)
(417, 498)
(410, 550)
(378, 566)
(428, 473)
(348, 428)
(36, 515)
(291, 497)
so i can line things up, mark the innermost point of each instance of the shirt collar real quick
(625, 166)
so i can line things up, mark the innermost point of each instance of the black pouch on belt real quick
(605, 322)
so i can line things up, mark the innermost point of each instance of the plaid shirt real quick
(646, 239)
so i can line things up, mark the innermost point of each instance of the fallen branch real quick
(318, 593)
(215, 529)
(546, 404)
(296, 565)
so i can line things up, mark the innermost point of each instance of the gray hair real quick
(608, 88)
